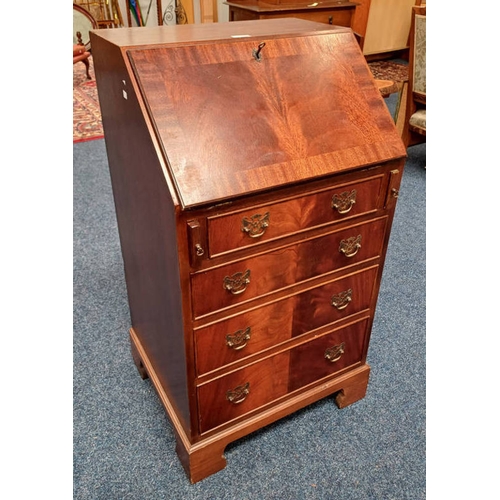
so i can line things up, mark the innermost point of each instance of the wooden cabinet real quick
(334, 12)
(255, 171)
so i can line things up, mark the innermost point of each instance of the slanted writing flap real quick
(231, 122)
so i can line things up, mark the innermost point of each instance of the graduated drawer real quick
(327, 354)
(229, 285)
(251, 332)
(264, 223)
(261, 383)
(334, 16)
(227, 398)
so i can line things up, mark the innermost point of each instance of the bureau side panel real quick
(147, 217)
(395, 174)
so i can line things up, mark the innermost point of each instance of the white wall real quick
(222, 11)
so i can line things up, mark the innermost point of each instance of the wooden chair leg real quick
(87, 66)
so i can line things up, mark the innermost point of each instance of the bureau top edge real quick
(137, 37)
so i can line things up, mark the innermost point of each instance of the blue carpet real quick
(123, 442)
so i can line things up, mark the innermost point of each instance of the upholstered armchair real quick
(414, 127)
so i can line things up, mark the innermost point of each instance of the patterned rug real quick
(391, 71)
(388, 70)
(87, 123)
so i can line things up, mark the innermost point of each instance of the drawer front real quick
(235, 283)
(327, 355)
(334, 16)
(236, 14)
(268, 222)
(258, 384)
(240, 336)
(245, 390)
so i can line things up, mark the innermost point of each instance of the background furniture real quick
(387, 28)
(174, 12)
(254, 234)
(83, 22)
(208, 11)
(107, 13)
(360, 20)
(81, 55)
(414, 95)
(140, 18)
(339, 13)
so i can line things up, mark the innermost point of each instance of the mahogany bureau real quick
(255, 172)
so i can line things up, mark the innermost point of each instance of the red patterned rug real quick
(388, 70)
(87, 123)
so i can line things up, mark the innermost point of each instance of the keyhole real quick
(256, 52)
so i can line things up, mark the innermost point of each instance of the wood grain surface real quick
(231, 125)
(282, 320)
(285, 266)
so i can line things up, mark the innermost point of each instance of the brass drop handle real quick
(344, 201)
(256, 225)
(238, 394)
(239, 339)
(341, 300)
(237, 283)
(350, 246)
(335, 352)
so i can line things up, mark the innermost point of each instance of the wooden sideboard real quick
(255, 172)
(339, 13)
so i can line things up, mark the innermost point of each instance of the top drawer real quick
(264, 223)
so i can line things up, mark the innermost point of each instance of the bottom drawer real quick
(256, 385)
(327, 354)
(242, 391)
